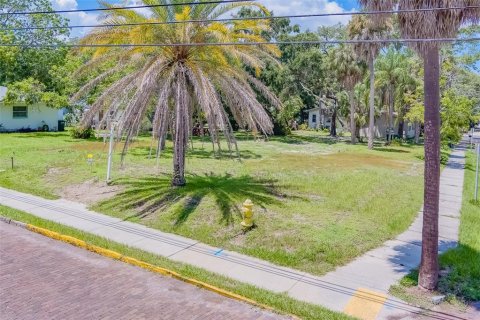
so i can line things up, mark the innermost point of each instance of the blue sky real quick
(280, 7)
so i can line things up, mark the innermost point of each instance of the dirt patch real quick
(449, 309)
(89, 192)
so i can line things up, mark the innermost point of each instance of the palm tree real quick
(409, 82)
(419, 25)
(180, 81)
(391, 70)
(363, 28)
(348, 71)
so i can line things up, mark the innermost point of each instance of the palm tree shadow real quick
(151, 195)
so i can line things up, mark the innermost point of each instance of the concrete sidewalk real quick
(359, 288)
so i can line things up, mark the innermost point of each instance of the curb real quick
(138, 263)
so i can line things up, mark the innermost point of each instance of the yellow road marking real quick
(365, 304)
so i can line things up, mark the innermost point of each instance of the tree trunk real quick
(181, 130)
(428, 275)
(401, 126)
(333, 125)
(417, 132)
(371, 125)
(390, 113)
(352, 116)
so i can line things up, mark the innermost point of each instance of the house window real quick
(314, 118)
(20, 112)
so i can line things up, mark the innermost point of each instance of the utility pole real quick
(110, 150)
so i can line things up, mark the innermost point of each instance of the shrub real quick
(303, 126)
(82, 133)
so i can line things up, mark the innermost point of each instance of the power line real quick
(313, 15)
(123, 8)
(213, 44)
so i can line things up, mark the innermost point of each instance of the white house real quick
(381, 127)
(19, 116)
(319, 117)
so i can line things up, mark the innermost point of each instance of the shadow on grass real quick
(155, 194)
(24, 135)
(199, 153)
(297, 139)
(391, 150)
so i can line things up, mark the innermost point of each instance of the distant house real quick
(319, 117)
(20, 117)
(381, 127)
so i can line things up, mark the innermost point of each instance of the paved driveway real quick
(41, 278)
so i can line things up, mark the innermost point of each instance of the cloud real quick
(294, 7)
(76, 18)
(283, 7)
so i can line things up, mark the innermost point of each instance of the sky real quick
(279, 7)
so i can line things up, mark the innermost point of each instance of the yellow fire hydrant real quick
(247, 211)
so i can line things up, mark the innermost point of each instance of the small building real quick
(319, 117)
(382, 128)
(22, 117)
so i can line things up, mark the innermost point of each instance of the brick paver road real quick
(41, 278)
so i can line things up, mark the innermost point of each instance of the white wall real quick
(36, 114)
(311, 124)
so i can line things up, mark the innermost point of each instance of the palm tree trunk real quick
(428, 275)
(390, 114)
(352, 116)
(181, 129)
(371, 125)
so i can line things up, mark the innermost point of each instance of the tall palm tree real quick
(180, 81)
(418, 25)
(363, 28)
(348, 71)
(391, 70)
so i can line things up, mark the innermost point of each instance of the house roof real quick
(3, 92)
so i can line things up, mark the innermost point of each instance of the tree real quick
(344, 64)
(363, 28)
(430, 25)
(31, 91)
(25, 63)
(392, 69)
(179, 82)
(416, 110)
(456, 115)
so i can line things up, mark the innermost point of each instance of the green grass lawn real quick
(318, 202)
(462, 264)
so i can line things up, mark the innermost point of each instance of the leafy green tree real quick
(456, 114)
(31, 91)
(416, 110)
(26, 63)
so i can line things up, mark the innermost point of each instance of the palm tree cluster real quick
(181, 83)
